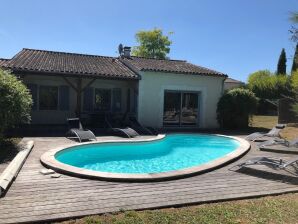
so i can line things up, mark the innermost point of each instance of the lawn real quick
(263, 121)
(289, 133)
(277, 209)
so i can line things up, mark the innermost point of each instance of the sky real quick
(236, 37)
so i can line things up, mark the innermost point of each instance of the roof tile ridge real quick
(69, 53)
(129, 66)
(159, 59)
(211, 70)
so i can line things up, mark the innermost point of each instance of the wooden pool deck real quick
(34, 197)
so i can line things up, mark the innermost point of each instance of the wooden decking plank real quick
(121, 194)
(151, 203)
(54, 187)
(89, 189)
(47, 180)
(138, 196)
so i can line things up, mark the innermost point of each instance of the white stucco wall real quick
(58, 116)
(151, 96)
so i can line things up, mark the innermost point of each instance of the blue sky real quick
(236, 37)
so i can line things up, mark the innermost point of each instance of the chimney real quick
(126, 51)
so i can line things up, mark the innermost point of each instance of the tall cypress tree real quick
(295, 60)
(281, 65)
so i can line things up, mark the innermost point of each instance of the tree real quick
(281, 65)
(257, 76)
(235, 108)
(152, 44)
(294, 83)
(294, 17)
(15, 102)
(269, 86)
(294, 30)
(295, 60)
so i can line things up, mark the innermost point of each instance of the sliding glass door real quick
(172, 109)
(181, 108)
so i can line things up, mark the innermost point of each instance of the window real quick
(103, 99)
(48, 97)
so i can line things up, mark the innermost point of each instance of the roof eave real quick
(69, 74)
(186, 73)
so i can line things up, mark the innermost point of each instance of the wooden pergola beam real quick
(88, 84)
(78, 88)
(70, 83)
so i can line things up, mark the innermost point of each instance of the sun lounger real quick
(76, 131)
(259, 136)
(281, 146)
(134, 123)
(118, 130)
(276, 163)
(281, 142)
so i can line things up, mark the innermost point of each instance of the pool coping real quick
(48, 160)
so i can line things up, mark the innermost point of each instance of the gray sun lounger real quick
(280, 146)
(76, 131)
(134, 123)
(280, 142)
(124, 132)
(277, 163)
(260, 136)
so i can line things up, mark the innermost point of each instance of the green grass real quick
(278, 209)
(263, 121)
(268, 122)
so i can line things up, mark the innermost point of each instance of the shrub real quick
(15, 102)
(235, 108)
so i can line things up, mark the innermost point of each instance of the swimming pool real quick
(170, 155)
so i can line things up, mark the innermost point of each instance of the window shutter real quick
(63, 97)
(116, 100)
(88, 99)
(33, 91)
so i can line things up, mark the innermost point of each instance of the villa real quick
(161, 93)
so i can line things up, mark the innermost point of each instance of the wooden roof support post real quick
(79, 97)
(79, 90)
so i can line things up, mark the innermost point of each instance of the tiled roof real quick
(3, 61)
(31, 60)
(230, 80)
(170, 66)
(52, 62)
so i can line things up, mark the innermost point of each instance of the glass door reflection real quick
(181, 108)
(189, 110)
(172, 105)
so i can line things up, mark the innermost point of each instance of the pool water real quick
(174, 152)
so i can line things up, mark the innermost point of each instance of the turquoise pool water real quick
(174, 152)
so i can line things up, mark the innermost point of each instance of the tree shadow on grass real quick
(8, 150)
